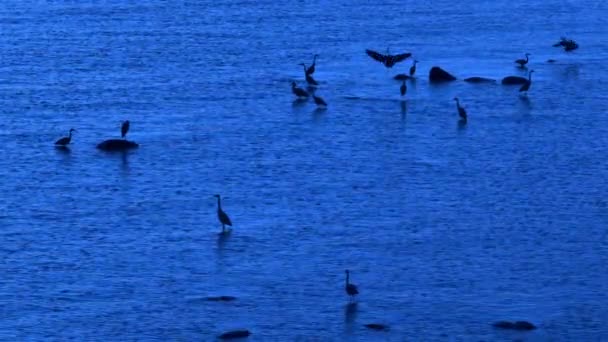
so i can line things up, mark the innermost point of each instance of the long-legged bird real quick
(221, 215)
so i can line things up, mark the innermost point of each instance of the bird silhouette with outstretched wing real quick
(388, 60)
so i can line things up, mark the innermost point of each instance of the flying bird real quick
(388, 60)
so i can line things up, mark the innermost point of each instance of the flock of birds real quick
(389, 60)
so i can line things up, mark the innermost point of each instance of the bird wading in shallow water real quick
(413, 69)
(124, 129)
(388, 60)
(524, 88)
(309, 78)
(65, 140)
(351, 289)
(311, 69)
(461, 111)
(299, 92)
(319, 101)
(523, 62)
(221, 215)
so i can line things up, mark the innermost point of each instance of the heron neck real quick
(347, 278)
(219, 204)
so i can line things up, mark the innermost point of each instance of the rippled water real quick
(445, 228)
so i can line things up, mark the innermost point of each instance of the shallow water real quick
(446, 228)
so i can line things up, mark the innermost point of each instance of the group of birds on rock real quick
(65, 141)
(312, 84)
(389, 60)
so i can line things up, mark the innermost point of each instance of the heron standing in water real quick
(461, 111)
(351, 289)
(221, 215)
(65, 140)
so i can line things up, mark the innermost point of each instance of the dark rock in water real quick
(234, 334)
(221, 299)
(117, 145)
(519, 325)
(439, 75)
(376, 326)
(401, 77)
(479, 80)
(511, 80)
(551, 61)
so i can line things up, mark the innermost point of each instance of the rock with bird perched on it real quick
(117, 145)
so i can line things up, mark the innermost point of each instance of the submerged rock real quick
(117, 145)
(376, 326)
(512, 80)
(518, 325)
(476, 79)
(439, 75)
(221, 298)
(234, 334)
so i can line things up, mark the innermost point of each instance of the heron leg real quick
(223, 228)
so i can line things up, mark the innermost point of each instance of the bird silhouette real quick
(299, 92)
(351, 289)
(524, 88)
(65, 140)
(388, 60)
(461, 111)
(309, 78)
(522, 62)
(413, 68)
(311, 69)
(124, 129)
(319, 101)
(222, 216)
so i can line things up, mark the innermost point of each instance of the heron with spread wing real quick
(388, 60)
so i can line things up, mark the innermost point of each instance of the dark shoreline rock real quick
(234, 334)
(514, 80)
(117, 145)
(518, 325)
(376, 326)
(476, 79)
(220, 298)
(436, 74)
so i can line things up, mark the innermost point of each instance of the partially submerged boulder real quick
(117, 145)
(513, 80)
(221, 298)
(234, 334)
(476, 79)
(376, 326)
(439, 75)
(518, 325)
